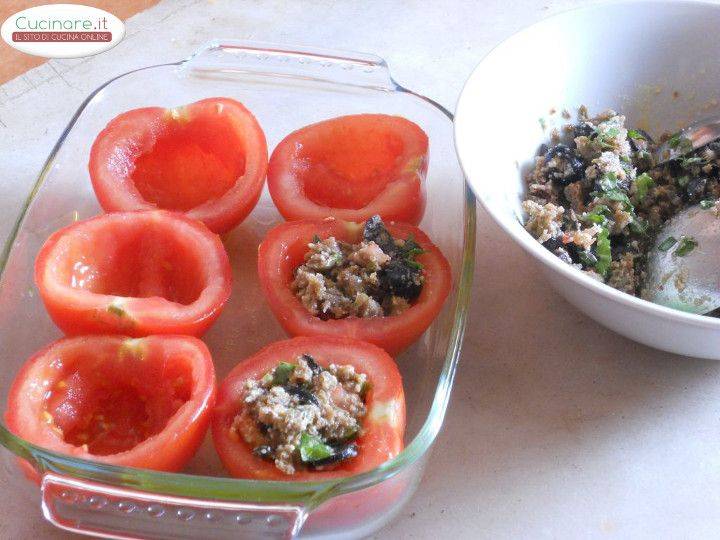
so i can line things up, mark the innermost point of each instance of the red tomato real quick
(207, 159)
(282, 252)
(134, 273)
(383, 426)
(142, 402)
(351, 168)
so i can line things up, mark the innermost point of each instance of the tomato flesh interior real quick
(190, 162)
(348, 165)
(135, 260)
(111, 406)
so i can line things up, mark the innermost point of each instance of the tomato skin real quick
(167, 450)
(398, 195)
(383, 425)
(134, 251)
(282, 251)
(222, 161)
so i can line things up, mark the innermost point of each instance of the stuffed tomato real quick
(351, 168)
(134, 273)
(377, 282)
(207, 159)
(310, 409)
(136, 402)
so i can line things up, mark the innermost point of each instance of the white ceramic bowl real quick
(656, 62)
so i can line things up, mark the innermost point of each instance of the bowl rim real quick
(308, 495)
(463, 132)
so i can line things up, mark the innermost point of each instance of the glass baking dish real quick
(285, 88)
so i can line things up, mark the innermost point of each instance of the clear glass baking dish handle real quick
(91, 508)
(228, 58)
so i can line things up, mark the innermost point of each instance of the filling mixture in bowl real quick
(303, 416)
(378, 276)
(596, 199)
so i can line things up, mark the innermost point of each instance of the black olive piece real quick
(567, 157)
(695, 188)
(375, 231)
(542, 150)
(583, 129)
(340, 454)
(304, 396)
(312, 364)
(264, 451)
(401, 278)
(553, 243)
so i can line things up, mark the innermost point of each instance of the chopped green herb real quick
(688, 162)
(620, 196)
(282, 373)
(587, 258)
(707, 204)
(604, 137)
(603, 253)
(608, 182)
(638, 225)
(312, 448)
(666, 244)
(680, 144)
(685, 245)
(643, 183)
(597, 214)
(635, 134)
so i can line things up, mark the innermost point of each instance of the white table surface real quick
(557, 428)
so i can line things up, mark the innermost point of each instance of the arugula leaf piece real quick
(312, 448)
(635, 134)
(643, 183)
(603, 253)
(666, 244)
(685, 245)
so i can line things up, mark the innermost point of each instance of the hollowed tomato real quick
(134, 273)
(283, 251)
(383, 426)
(137, 402)
(351, 168)
(207, 159)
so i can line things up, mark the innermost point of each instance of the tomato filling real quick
(376, 277)
(347, 165)
(191, 161)
(107, 406)
(140, 259)
(303, 416)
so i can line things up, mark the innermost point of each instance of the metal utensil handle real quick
(96, 509)
(225, 58)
